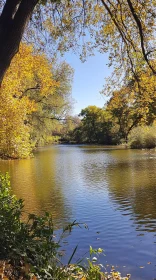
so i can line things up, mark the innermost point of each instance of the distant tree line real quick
(125, 110)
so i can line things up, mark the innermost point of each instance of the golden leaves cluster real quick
(28, 71)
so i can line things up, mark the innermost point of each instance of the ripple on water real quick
(111, 190)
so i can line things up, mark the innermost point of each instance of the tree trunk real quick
(13, 20)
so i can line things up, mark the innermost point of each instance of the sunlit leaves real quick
(134, 103)
(28, 72)
(114, 26)
(52, 109)
(124, 29)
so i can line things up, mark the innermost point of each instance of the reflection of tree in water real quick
(129, 177)
(133, 186)
(95, 161)
(35, 181)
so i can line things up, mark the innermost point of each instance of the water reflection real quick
(36, 180)
(129, 177)
(132, 186)
(113, 191)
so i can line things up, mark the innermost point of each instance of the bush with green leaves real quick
(27, 242)
(142, 137)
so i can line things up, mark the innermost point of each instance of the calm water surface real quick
(112, 190)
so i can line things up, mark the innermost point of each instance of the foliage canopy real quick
(125, 29)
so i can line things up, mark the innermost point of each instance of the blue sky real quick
(89, 79)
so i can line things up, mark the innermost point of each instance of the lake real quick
(112, 190)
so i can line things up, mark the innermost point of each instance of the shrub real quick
(142, 137)
(31, 242)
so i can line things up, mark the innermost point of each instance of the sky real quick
(89, 78)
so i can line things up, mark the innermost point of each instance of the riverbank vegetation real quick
(143, 137)
(108, 127)
(35, 97)
(31, 250)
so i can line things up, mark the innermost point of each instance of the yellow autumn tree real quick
(28, 71)
(134, 103)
